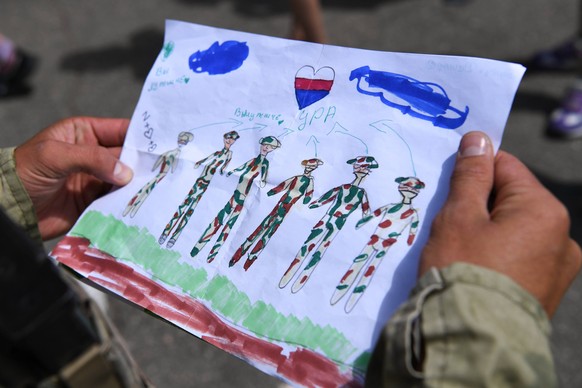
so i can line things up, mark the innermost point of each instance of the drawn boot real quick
(236, 257)
(171, 243)
(307, 271)
(249, 262)
(349, 277)
(364, 281)
(162, 239)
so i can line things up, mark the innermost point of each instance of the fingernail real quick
(122, 173)
(474, 144)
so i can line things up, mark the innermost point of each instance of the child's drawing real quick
(219, 58)
(346, 199)
(395, 218)
(166, 161)
(297, 187)
(423, 100)
(311, 85)
(233, 208)
(321, 101)
(219, 160)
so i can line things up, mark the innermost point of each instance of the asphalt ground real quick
(94, 56)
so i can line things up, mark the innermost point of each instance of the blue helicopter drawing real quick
(423, 100)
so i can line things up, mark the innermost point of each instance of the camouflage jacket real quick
(465, 326)
(107, 363)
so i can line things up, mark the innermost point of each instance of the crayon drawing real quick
(256, 167)
(295, 188)
(219, 160)
(167, 162)
(346, 199)
(292, 281)
(394, 219)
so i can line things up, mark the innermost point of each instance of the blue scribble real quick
(423, 100)
(219, 58)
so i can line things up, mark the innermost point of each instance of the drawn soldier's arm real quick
(264, 172)
(240, 168)
(280, 187)
(413, 227)
(377, 213)
(365, 205)
(198, 163)
(226, 162)
(159, 161)
(174, 161)
(308, 192)
(325, 198)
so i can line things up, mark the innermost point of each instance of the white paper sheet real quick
(334, 164)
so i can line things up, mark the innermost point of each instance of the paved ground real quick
(95, 55)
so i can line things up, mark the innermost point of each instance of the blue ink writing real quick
(423, 100)
(219, 58)
(306, 118)
(250, 116)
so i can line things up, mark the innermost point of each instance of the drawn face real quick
(409, 188)
(361, 169)
(266, 148)
(228, 141)
(184, 139)
(310, 165)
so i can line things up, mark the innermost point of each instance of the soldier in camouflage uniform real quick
(219, 159)
(297, 187)
(395, 218)
(229, 214)
(166, 161)
(346, 199)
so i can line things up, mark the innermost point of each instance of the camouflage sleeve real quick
(14, 199)
(465, 326)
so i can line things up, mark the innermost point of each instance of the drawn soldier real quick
(167, 162)
(229, 214)
(394, 219)
(297, 187)
(218, 160)
(346, 199)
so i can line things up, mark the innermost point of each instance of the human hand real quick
(68, 165)
(524, 235)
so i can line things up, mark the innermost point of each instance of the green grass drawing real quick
(137, 245)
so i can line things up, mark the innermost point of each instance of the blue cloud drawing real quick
(219, 58)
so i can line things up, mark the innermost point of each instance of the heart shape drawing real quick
(311, 85)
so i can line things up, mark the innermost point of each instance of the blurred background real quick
(93, 56)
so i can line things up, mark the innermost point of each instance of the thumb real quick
(94, 160)
(472, 178)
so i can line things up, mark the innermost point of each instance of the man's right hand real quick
(524, 235)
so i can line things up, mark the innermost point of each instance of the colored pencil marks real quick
(167, 163)
(297, 187)
(217, 161)
(394, 219)
(89, 249)
(220, 58)
(226, 218)
(345, 199)
(422, 100)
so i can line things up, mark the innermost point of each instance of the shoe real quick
(12, 80)
(567, 56)
(566, 121)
